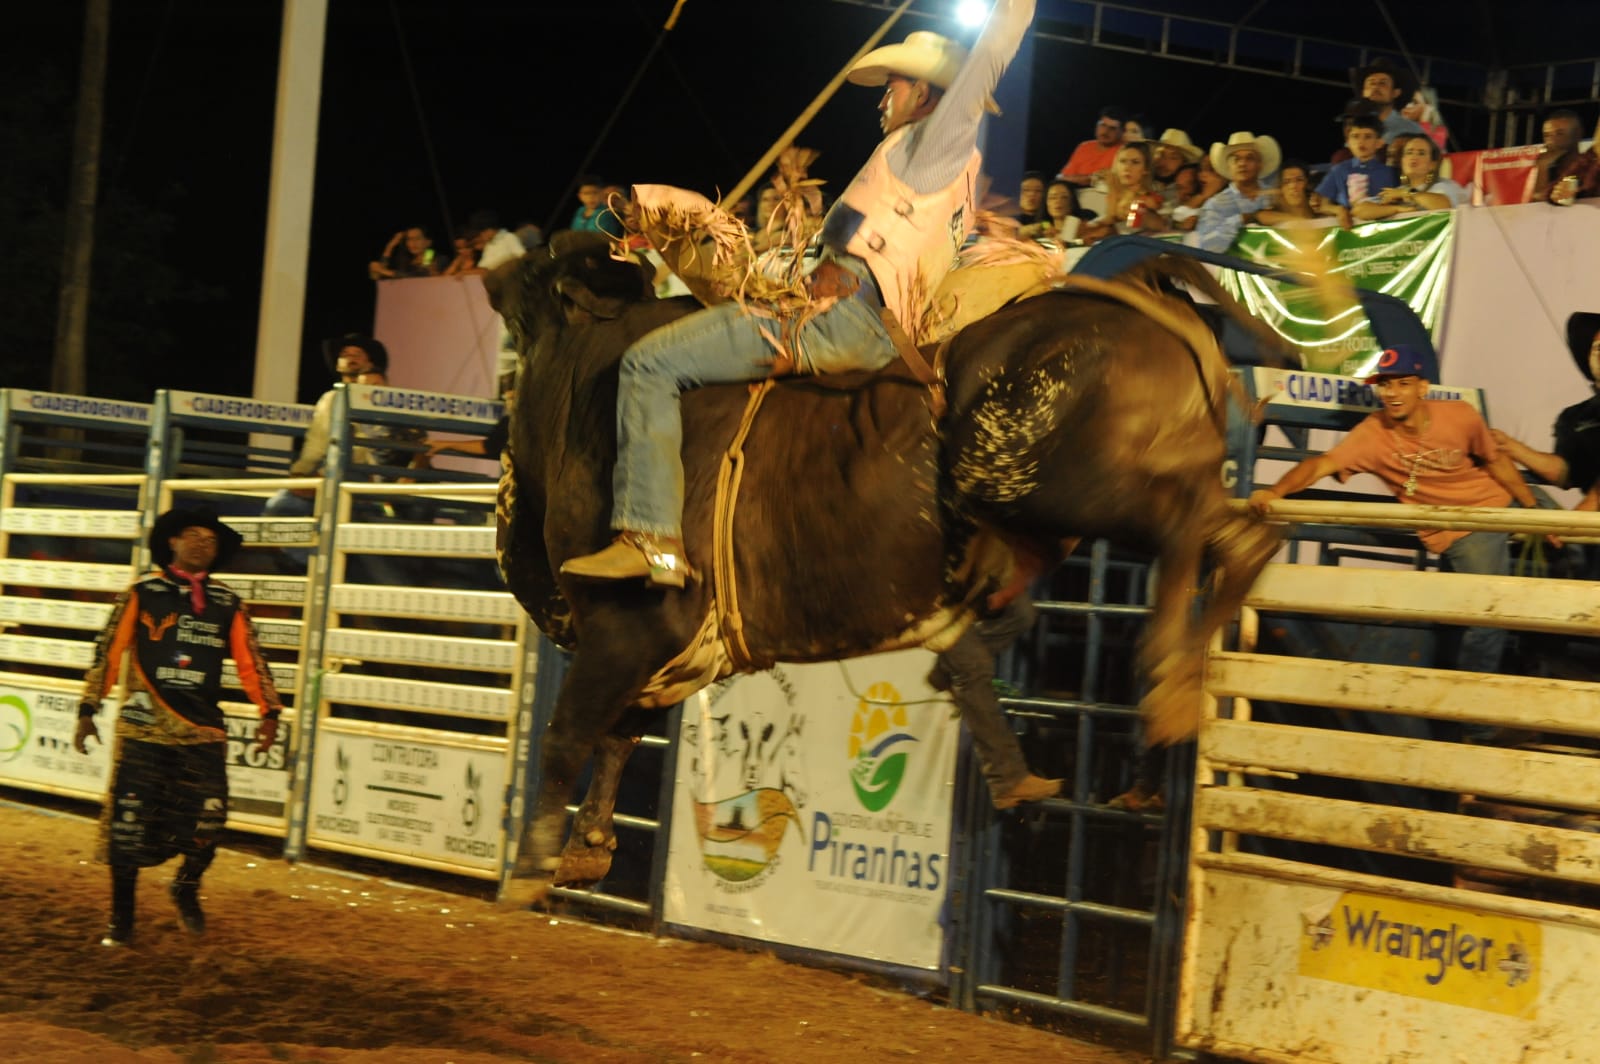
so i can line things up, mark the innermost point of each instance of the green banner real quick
(1408, 259)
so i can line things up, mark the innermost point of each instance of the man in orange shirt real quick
(1429, 452)
(1093, 156)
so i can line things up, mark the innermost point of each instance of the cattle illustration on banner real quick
(817, 799)
(747, 775)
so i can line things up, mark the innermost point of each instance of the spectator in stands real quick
(1560, 159)
(1421, 187)
(465, 259)
(1297, 203)
(1170, 154)
(1576, 460)
(1362, 174)
(1429, 452)
(169, 788)
(1382, 84)
(531, 236)
(1133, 129)
(1132, 203)
(1094, 156)
(1248, 160)
(1210, 182)
(1030, 199)
(592, 213)
(1061, 223)
(409, 253)
(352, 358)
(1424, 111)
(493, 244)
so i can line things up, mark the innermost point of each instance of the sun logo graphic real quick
(878, 734)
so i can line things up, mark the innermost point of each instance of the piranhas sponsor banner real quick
(418, 799)
(36, 729)
(1436, 952)
(812, 808)
(1407, 258)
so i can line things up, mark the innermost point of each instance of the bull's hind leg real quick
(587, 857)
(1240, 548)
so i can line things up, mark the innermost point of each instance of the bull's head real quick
(574, 280)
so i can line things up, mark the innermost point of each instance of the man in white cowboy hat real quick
(1246, 160)
(888, 241)
(1169, 154)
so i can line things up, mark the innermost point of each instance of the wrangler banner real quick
(1406, 258)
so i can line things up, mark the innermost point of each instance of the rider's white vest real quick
(909, 240)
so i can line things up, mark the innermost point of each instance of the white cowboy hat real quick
(1264, 146)
(1178, 140)
(922, 56)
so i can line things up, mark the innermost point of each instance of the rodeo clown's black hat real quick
(1581, 330)
(176, 520)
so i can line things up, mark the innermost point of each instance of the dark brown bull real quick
(858, 526)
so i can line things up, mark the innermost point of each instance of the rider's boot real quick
(658, 560)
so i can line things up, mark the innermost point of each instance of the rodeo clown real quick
(169, 784)
(887, 243)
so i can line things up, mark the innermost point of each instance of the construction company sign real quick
(429, 800)
(813, 809)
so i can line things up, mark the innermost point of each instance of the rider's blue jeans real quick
(718, 345)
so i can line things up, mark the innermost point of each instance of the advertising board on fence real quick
(812, 809)
(422, 799)
(36, 728)
(1407, 258)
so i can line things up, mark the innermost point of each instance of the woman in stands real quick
(1132, 203)
(1061, 222)
(1422, 188)
(1297, 199)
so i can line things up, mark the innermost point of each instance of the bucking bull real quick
(850, 522)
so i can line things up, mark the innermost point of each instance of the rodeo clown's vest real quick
(909, 240)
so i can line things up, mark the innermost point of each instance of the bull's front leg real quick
(593, 696)
(587, 857)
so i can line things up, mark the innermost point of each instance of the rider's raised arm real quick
(938, 148)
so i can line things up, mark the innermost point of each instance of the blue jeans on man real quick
(1485, 554)
(720, 345)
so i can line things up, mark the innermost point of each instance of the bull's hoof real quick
(1172, 711)
(518, 895)
(587, 862)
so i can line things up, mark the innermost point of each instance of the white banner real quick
(812, 808)
(1519, 271)
(421, 799)
(36, 729)
(258, 780)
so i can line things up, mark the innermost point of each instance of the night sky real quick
(512, 96)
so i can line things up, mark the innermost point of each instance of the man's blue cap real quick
(1401, 360)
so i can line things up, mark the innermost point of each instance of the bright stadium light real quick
(971, 12)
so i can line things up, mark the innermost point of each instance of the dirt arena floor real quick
(311, 962)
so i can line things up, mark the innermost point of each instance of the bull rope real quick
(725, 591)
